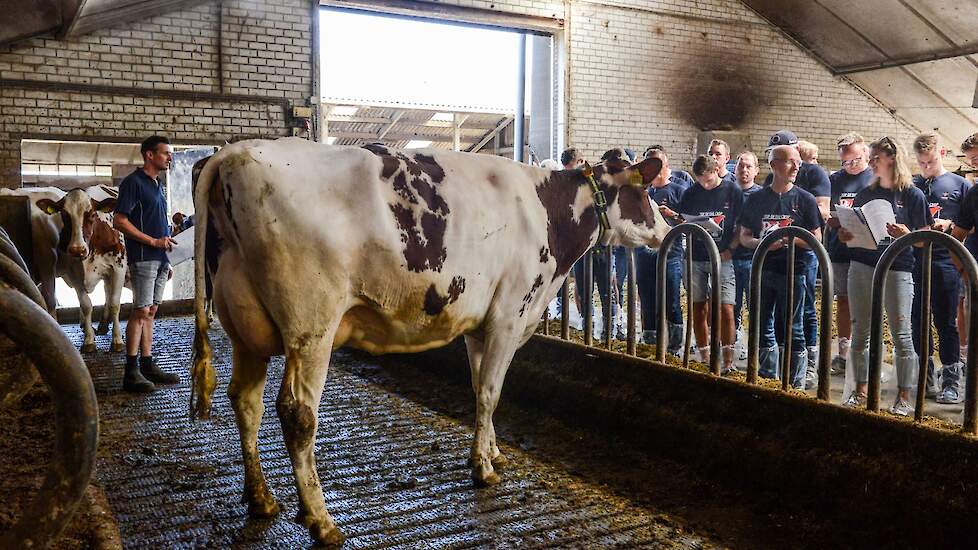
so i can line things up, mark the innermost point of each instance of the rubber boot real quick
(133, 380)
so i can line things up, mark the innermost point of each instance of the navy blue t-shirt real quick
(766, 211)
(944, 194)
(681, 178)
(722, 204)
(669, 195)
(141, 200)
(744, 253)
(845, 186)
(730, 177)
(967, 217)
(910, 208)
(811, 178)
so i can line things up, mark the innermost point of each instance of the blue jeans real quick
(742, 276)
(646, 278)
(774, 289)
(811, 319)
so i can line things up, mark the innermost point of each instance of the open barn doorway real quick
(461, 82)
(60, 165)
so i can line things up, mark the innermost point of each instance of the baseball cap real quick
(782, 137)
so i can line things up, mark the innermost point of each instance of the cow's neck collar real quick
(600, 202)
(572, 228)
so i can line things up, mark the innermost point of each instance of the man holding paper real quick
(714, 204)
(853, 177)
(888, 209)
(781, 204)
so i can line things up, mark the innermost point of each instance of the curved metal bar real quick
(609, 307)
(8, 249)
(694, 231)
(825, 311)
(19, 381)
(565, 310)
(32, 329)
(967, 262)
(630, 314)
(587, 300)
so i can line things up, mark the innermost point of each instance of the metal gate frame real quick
(967, 262)
(825, 313)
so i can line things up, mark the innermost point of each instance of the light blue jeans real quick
(897, 304)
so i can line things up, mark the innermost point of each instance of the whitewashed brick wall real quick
(626, 61)
(266, 52)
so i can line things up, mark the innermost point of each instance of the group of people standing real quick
(738, 213)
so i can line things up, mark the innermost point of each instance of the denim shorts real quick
(148, 281)
(840, 279)
(699, 280)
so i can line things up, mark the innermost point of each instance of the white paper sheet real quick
(184, 249)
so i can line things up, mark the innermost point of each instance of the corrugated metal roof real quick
(355, 124)
(917, 58)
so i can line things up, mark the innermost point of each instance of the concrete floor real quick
(393, 471)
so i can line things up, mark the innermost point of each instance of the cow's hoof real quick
(263, 509)
(500, 461)
(88, 348)
(118, 346)
(326, 534)
(483, 478)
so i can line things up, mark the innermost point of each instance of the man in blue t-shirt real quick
(667, 193)
(944, 192)
(781, 204)
(140, 214)
(964, 228)
(720, 151)
(854, 176)
(714, 204)
(813, 179)
(745, 173)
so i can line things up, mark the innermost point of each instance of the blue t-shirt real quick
(811, 178)
(967, 215)
(669, 195)
(141, 200)
(681, 178)
(722, 204)
(744, 253)
(845, 186)
(944, 194)
(910, 209)
(730, 177)
(766, 211)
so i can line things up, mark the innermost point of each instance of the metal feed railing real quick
(825, 315)
(967, 262)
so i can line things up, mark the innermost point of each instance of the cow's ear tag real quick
(635, 178)
(51, 210)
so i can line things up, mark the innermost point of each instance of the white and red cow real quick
(386, 251)
(73, 239)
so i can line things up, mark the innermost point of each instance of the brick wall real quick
(160, 75)
(639, 73)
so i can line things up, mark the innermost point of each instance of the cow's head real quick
(634, 218)
(79, 212)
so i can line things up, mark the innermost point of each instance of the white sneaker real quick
(902, 407)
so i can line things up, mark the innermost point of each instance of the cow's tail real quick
(203, 378)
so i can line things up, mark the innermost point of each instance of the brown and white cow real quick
(386, 251)
(73, 239)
